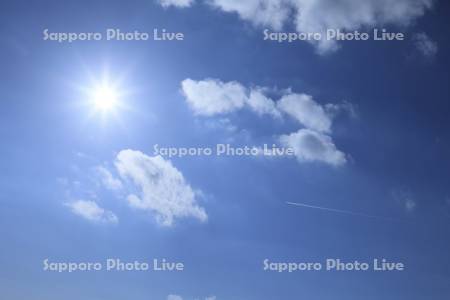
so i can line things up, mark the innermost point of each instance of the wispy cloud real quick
(108, 180)
(177, 297)
(91, 211)
(405, 198)
(176, 3)
(425, 45)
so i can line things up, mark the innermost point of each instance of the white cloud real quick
(425, 45)
(163, 189)
(210, 97)
(91, 211)
(108, 180)
(176, 3)
(176, 297)
(305, 110)
(313, 146)
(261, 104)
(320, 15)
(271, 13)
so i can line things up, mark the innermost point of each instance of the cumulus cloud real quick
(108, 180)
(312, 143)
(163, 189)
(320, 15)
(209, 97)
(425, 45)
(213, 97)
(311, 146)
(176, 3)
(262, 104)
(305, 110)
(92, 211)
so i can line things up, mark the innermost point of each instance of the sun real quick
(105, 98)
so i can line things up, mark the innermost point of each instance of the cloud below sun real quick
(147, 183)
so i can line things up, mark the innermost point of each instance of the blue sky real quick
(369, 121)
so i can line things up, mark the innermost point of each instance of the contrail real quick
(347, 212)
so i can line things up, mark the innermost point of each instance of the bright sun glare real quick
(105, 98)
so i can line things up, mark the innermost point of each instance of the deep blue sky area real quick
(393, 190)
